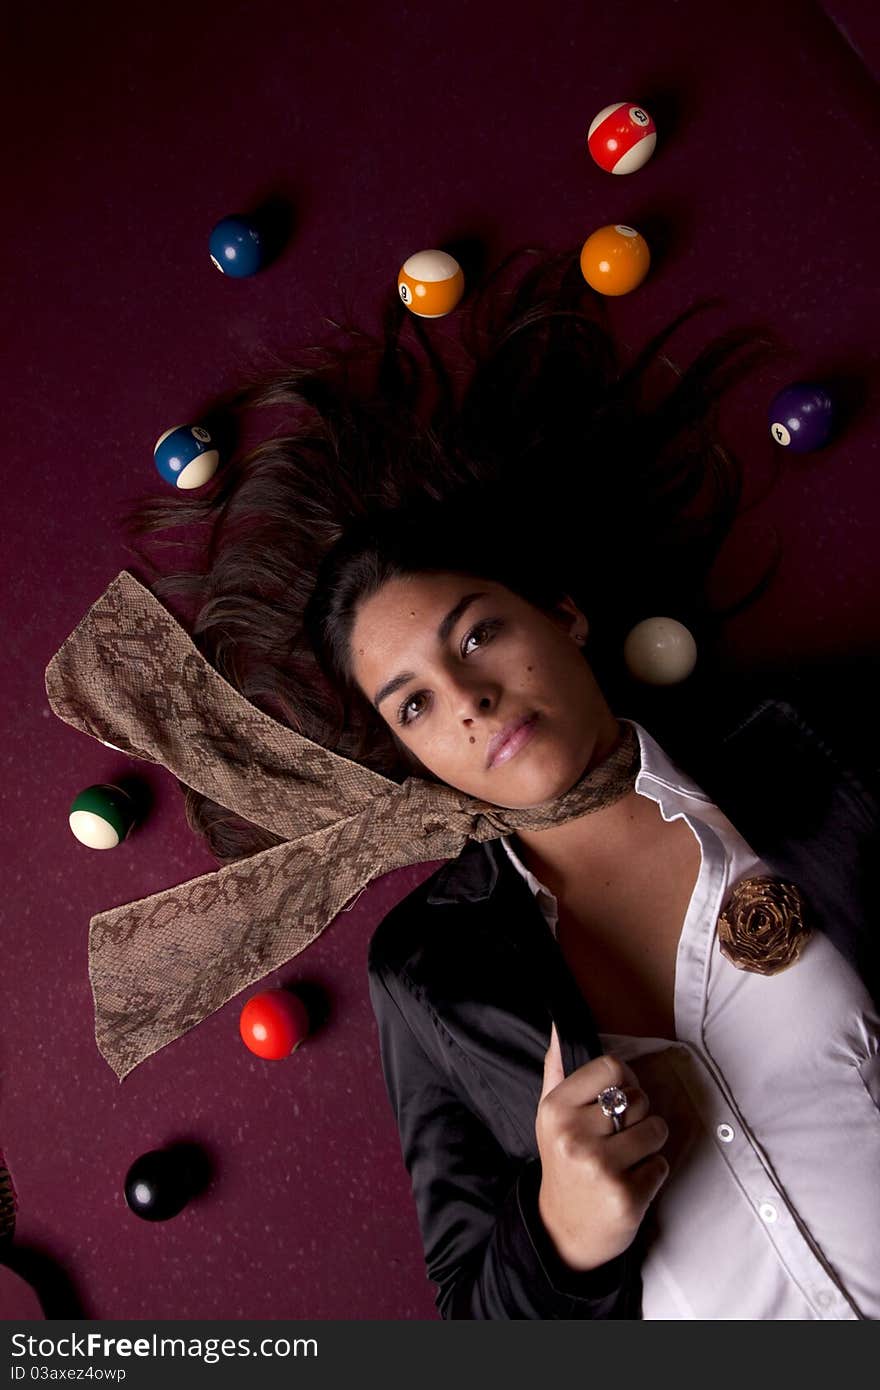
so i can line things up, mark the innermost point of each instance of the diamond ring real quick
(613, 1101)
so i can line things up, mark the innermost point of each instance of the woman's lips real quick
(514, 742)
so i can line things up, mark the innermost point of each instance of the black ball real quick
(158, 1185)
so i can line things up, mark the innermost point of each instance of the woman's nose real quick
(469, 698)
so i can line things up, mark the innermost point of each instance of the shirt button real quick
(824, 1299)
(725, 1133)
(767, 1211)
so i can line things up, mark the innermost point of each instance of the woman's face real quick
(499, 659)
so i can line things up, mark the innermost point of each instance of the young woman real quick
(408, 593)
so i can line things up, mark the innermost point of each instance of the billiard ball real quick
(622, 138)
(237, 247)
(158, 1185)
(430, 283)
(274, 1023)
(615, 259)
(102, 816)
(186, 456)
(802, 417)
(660, 651)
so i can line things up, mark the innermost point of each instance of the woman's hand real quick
(596, 1185)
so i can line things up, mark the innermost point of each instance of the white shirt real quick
(771, 1090)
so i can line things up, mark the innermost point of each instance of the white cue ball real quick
(660, 651)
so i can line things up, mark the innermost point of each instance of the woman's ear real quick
(572, 619)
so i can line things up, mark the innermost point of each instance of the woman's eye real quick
(402, 712)
(478, 628)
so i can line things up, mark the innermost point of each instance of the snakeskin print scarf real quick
(129, 675)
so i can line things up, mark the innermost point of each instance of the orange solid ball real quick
(615, 259)
(430, 283)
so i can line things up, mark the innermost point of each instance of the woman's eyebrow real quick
(443, 631)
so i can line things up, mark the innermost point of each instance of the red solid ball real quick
(274, 1023)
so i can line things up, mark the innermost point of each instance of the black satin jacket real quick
(464, 979)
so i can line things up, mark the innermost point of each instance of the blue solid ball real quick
(802, 417)
(237, 247)
(186, 456)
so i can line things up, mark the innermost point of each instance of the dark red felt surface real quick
(390, 129)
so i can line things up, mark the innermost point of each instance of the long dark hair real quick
(534, 460)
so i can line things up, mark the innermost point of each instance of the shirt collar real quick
(660, 778)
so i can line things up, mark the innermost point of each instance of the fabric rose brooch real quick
(763, 926)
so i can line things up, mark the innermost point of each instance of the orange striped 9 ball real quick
(430, 284)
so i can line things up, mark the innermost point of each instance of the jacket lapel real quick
(507, 920)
